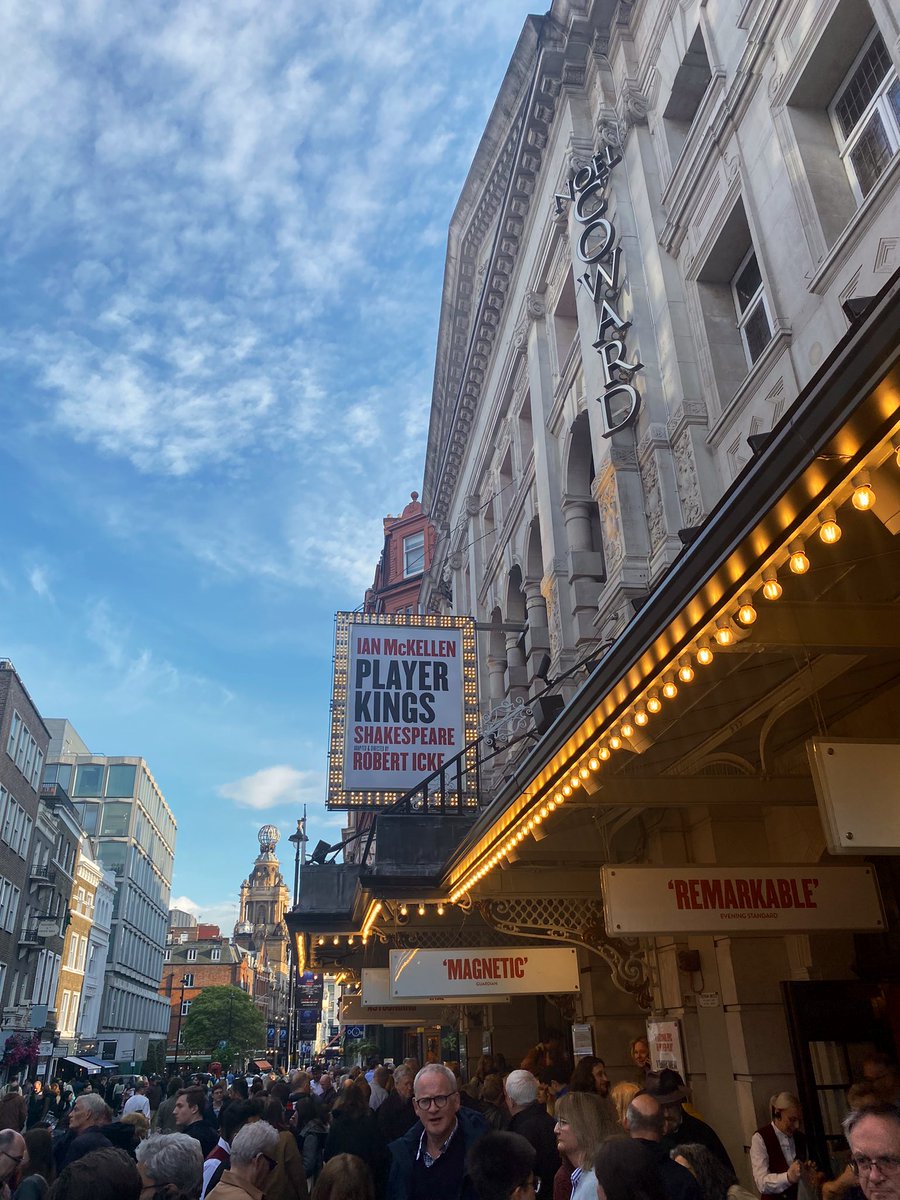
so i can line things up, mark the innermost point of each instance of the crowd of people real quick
(407, 1133)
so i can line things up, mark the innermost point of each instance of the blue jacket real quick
(472, 1126)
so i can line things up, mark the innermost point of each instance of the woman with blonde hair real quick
(622, 1095)
(583, 1121)
(344, 1177)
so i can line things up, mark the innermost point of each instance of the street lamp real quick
(299, 840)
(184, 984)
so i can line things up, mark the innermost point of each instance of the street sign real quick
(355, 1032)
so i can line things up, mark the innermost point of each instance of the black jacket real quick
(472, 1126)
(362, 1137)
(536, 1125)
(677, 1181)
(395, 1116)
(692, 1129)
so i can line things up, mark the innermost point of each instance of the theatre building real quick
(663, 470)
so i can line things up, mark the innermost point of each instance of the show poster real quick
(403, 707)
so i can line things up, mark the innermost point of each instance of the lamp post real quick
(184, 983)
(299, 840)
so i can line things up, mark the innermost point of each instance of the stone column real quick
(516, 672)
(537, 638)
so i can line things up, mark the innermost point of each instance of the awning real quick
(86, 1064)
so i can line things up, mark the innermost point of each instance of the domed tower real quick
(260, 925)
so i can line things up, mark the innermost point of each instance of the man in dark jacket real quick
(188, 1113)
(645, 1123)
(534, 1123)
(682, 1128)
(429, 1162)
(397, 1114)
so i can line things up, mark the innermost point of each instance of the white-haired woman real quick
(171, 1164)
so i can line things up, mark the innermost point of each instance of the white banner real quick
(502, 971)
(770, 899)
(353, 1012)
(376, 993)
(405, 713)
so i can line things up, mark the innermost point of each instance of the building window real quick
(414, 554)
(188, 979)
(215, 954)
(751, 308)
(185, 1007)
(689, 86)
(866, 115)
(191, 955)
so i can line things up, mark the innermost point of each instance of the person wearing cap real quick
(778, 1151)
(682, 1127)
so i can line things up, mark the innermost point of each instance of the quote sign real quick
(486, 971)
(377, 993)
(405, 705)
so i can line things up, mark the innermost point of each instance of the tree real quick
(225, 1022)
(155, 1062)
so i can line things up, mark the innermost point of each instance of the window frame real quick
(743, 318)
(418, 538)
(879, 103)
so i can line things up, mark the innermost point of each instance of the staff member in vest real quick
(778, 1150)
(429, 1162)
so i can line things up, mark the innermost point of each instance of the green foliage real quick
(224, 1014)
(155, 1062)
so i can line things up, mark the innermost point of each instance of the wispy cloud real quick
(272, 787)
(39, 579)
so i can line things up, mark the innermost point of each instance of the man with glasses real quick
(429, 1161)
(12, 1152)
(253, 1155)
(501, 1166)
(874, 1138)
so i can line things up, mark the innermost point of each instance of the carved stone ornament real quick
(633, 104)
(535, 306)
(548, 591)
(686, 475)
(520, 338)
(653, 505)
(608, 504)
(575, 921)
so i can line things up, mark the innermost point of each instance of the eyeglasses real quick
(438, 1102)
(16, 1158)
(887, 1164)
(266, 1159)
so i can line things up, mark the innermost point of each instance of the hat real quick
(666, 1086)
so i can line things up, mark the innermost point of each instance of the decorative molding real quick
(577, 922)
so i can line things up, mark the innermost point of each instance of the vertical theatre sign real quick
(599, 258)
(404, 706)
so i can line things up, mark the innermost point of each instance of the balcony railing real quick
(43, 876)
(30, 937)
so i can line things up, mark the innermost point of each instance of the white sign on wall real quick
(485, 971)
(769, 899)
(664, 1044)
(354, 1012)
(376, 992)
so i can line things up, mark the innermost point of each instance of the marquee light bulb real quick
(566, 790)
(640, 717)
(798, 561)
(772, 589)
(583, 772)
(654, 704)
(404, 910)
(724, 633)
(421, 910)
(685, 670)
(746, 612)
(575, 781)
(440, 910)
(670, 688)
(863, 495)
(551, 805)
(704, 653)
(594, 764)
(627, 729)
(603, 753)
(337, 940)
(829, 530)
(615, 742)
(558, 797)
(321, 941)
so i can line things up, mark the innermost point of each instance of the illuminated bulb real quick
(746, 612)
(520, 836)
(594, 764)
(798, 561)
(538, 818)
(654, 704)
(558, 797)
(863, 495)
(724, 633)
(530, 825)
(603, 753)
(685, 670)
(440, 910)
(321, 941)
(615, 742)
(337, 940)
(551, 805)
(583, 772)
(350, 940)
(575, 781)
(670, 689)
(640, 717)
(566, 790)
(544, 811)
(829, 530)
(403, 910)
(704, 654)
(772, 589)
(627, 729)
(421, 910)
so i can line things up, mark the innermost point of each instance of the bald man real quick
(644, 1123)
(12, 1152)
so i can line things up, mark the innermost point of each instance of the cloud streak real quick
(272, 787)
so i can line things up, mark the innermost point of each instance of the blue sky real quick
(223, 228)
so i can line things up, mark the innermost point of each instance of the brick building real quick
(70, 991)
(201, 956)
(408, 549)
